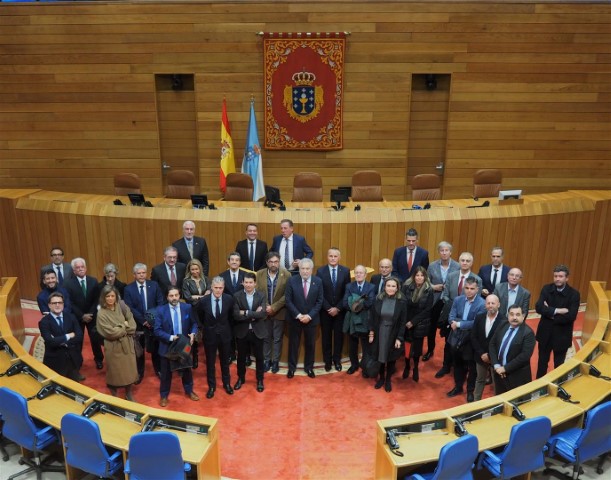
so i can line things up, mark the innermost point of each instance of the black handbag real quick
(371, 366)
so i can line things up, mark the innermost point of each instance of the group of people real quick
(246, 308)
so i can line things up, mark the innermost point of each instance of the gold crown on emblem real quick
(304, 78)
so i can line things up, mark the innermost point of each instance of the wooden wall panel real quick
(530, 89)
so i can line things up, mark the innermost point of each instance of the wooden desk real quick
(22, 383)
(560, 413)
(603, 362)
(588, 390)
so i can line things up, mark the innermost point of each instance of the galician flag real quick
(227, 158)
(252, 163)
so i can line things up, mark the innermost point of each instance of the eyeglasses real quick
(56, 303)
(57, 254)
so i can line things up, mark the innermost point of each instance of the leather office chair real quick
(426, 187)
(155, 455)
(127, 183)
(524, 453)
(487, 183)
(29, 434)
(84, 447)
(455, 461)
(577, 445)
(307, 187)
(239, 188)
(367, 186)
(180, 184)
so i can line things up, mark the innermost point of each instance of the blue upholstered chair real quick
(455, 461)
(84, 447)
(577, 445)
(29, 434)
(524, 453)
(155, 455)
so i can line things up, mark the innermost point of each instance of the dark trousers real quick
(141, 360)
(386, 370)
(296, 328)
(214, 342)
(332, 337)
(545, 352)
(432, 335)
(94, 338)
(166, 378)
(463, 369)
(247, 345)
(353, 349)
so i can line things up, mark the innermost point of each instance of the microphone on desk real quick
(485, 204)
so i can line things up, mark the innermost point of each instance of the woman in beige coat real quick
(117, 326)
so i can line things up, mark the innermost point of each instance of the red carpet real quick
(301, 428)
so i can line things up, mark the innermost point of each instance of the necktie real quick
(410, 260)
(60, 277)
(84, 287)
(190, 247)
(172, 276)
(511, 298)
(61, 322)
(217, 313)
(382, 283)
(360, 289)
(287, 263)
(496, 271)
(142, 298)
(333, 277)
(175, 322)
(305, 288)
(252, 255)
(505, 345)
(235, 280)
(462, 278)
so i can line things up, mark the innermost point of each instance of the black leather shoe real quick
(470, 397)
(99, 365)
(405, 372)
(267, 365)
(455, 391)
(239, 384)
(290, 374)
(379, 384)
(228, 389)
(260, 386)
(352, 369)
(327, 367)
(388, 386)
(427, 356)
(416, 375)
(275, 367)
(338, 366)
(311, 373)
(248, 361)
(442, 371)
(210, 393)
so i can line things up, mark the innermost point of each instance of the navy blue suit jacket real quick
(226, 275)
(368, 289)
(154, 298)
(485, 272)
(164, 327)
(301, 249)
(333, 297)
(399, 262)
(212, 325)
(296, 303)
(56, 343)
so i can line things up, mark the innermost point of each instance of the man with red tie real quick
(407, 258)
(170, 273)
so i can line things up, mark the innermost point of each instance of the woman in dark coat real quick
(419, 293)
(110, 278)
(387, 330)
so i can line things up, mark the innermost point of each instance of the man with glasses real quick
(63, 270)
(63, 336)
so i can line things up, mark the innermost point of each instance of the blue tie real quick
(142, 298)
(175, 322)
(60, 277)
(505, 345)
(61, 323)
(333, 277)
(217, 314)
(252, 255)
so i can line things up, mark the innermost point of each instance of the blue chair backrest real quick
(456, 459)
(595, 439)
(155, 455)
(18, 425)
(84, 447)
(524, 452)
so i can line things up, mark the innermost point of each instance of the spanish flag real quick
(227, 160)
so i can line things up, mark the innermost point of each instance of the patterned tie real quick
(190, 247)
(410, 260)
(60, 277)
(333, 277)
(142, 298)
(84, 287)
(287, 263)
(252, 255)
(172, 276)
(462, 278)
(175, 322)
(217, 313)
(305, 289)
(496, 271)
(360, 289)
(505, 345)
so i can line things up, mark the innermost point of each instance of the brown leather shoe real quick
(193, 397)
(163, 402)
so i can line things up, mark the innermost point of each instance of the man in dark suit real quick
(249, 314)
(385, 272)
(335, 278)
(189, 247)
(50, 285)
(63, 337)
(83, 291)
(233, 276)
(462, 315)
(216, 313)
(407, 258)
(511, 292)
(271, 281)
(291, 247)
(304, 297)
(558, 305)
(252, 250)
(63, 270)
(174, 319)
(144, 296)
(362, 293)
(493, 273)
(169, 273)
(484, 326)
(510, 351)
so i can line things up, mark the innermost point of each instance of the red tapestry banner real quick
(304, 74)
